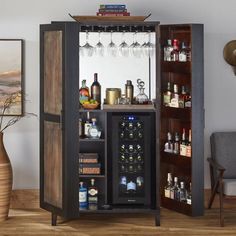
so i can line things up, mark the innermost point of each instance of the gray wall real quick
(21, 19)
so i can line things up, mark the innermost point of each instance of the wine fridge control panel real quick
(131, 158)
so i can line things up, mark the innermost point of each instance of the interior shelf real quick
(176, 113)
(92, 176)
(91, 140)
(175, 159)
(176, 67)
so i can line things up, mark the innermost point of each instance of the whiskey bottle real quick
(83, 92)
(183, 53)
(183, 144)
(168, 186)
(87, 125)
(167, 95)
(175, 52)
(93, 196)
(83, 203)
(96, 90)
(175, 97)
(169, 146)
(189, 145)
(176, 144)
(189, 195)
(182, 192)
(182, 97)
(167, 50)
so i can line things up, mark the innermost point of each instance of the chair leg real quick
(221, 204)
(213, 193)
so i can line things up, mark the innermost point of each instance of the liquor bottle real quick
(175, 52)
(96, 90)
(81, 128)
(188, 100)
(94, 131)
(83, 203)
(123, 184)
(176, 144)
(174, 190)
(189, 195)
(182, 97)
(183, 144)
(167, 50)
(182, 192)
(131, 187)
(83, 92)
(169, 146)
(184, 53)
(175, 97)
(167, 95)
(140, 182)
(87, 125)
(189, 145)
(92, 196)
(168, 186)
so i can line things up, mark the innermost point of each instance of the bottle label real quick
(82, 196)
(83, 98)
(174, 102)
(166, 100)
(131, 186)
(188, 151)
(92, 192)
(167, 193)
(93, 132)
(183, 150)
(172, 194)
(182, 57)
(86, 128)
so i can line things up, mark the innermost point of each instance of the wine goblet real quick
(135, 47)
(112, 48)
(88, 49)
(124, 47)
(150, 47)
(99, 48)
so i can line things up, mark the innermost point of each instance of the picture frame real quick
(11, 76)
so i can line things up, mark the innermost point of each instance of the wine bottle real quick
(96, 90)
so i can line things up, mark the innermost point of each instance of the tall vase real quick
(5, 181)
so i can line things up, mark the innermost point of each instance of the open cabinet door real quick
(58, 149)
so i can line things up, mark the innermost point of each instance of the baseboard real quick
(29, 198)
(25, 198)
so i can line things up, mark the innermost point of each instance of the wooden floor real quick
(37, 222)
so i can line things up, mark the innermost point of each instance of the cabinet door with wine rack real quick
(92, 160)
(182, 118)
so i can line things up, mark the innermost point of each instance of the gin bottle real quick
(83, 203)
(94, 131)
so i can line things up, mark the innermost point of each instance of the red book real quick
(113, 13)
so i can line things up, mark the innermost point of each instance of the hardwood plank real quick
(37, 222)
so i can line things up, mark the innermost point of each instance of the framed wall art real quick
(11, 77)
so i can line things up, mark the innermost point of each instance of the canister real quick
(112, 95)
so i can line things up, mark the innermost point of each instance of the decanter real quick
(141, 98)
(83, 92)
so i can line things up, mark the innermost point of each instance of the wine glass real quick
(88, 49)
(150, 47)
(112, 48)
(124, 47)
(135, 47)
(99, 48)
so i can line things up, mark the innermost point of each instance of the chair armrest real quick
(215, 164)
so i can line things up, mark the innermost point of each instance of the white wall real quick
(21, 19)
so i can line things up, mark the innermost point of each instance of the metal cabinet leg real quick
(54, 219)
(157, 220)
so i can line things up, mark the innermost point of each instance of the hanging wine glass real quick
(87, 48)
(135, 47)
(144, 45)
(112, 48)
(99, 48)
(150, 47)
(124, 47)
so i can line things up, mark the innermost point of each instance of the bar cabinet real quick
(61, 145)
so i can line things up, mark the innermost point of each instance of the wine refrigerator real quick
(131, 153)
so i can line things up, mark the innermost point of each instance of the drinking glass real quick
(87, 48)
(124, 47)
(150, 47)
(112, 48)
(99, 48)
(135, 47)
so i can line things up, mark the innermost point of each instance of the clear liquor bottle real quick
(94, 131)
(168, 186)
(184, 53)
(87, 125)
(182, 97)
(182, 192)
(189, 195)
(175, 97)
(169, 145)
(92, 196)
(183, 143)
(167, 50)
(174, 194)
(176, 143)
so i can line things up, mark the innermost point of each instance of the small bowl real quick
(90, 106)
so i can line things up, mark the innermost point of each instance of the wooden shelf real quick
(91, 140)
(92, 176)
(132, 107)
(90, 110)
(174, 159)
(176, 67)
(176, 113)
(181, 207)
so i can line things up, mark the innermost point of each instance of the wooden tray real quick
(109, 18)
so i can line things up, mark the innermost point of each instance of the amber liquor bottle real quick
(167, 95)
(96, 90)
(189, 145)
(83, 92)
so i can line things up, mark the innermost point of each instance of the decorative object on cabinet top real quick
(229, 53)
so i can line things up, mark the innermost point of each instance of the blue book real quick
(113, 6)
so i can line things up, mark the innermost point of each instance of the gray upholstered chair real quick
(223, 167)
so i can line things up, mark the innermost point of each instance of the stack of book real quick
(113, 10)
(88, 164)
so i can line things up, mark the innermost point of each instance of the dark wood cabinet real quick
(60, 143)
